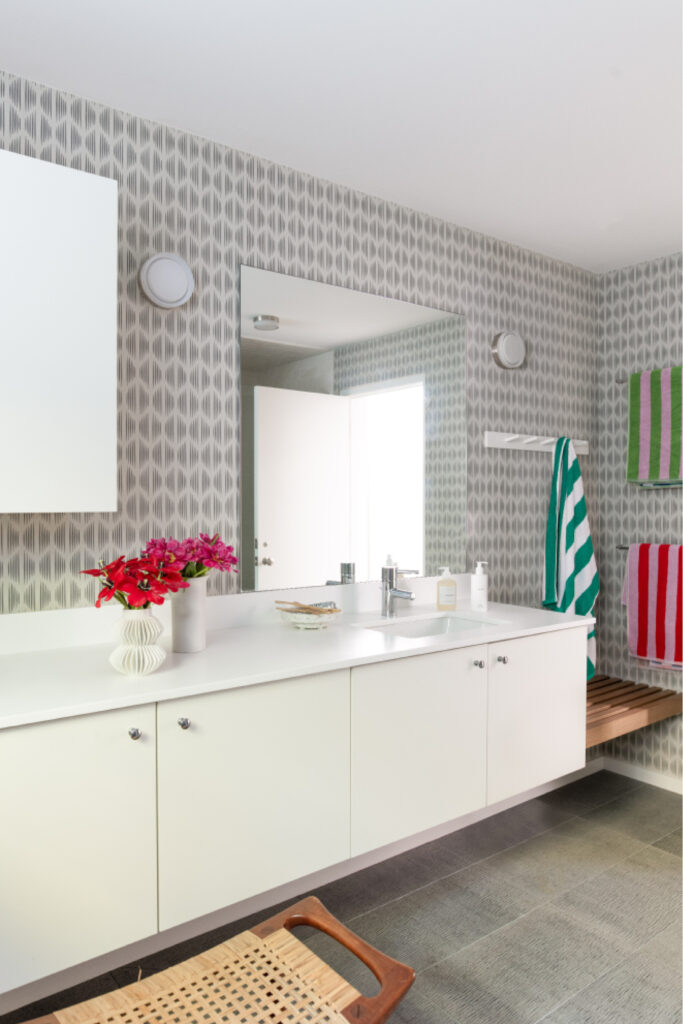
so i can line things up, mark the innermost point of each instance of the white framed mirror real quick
(58, 311)
(353, 433)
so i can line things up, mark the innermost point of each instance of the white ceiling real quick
(552, 124)
(316, 317)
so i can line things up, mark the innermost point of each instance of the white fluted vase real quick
(188, 617)
(138, 654)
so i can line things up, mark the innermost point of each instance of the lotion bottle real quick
(445, 590)
(479, 588)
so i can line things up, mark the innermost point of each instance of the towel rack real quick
(528, 442)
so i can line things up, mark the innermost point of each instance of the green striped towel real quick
(571, 575)
(654, 428)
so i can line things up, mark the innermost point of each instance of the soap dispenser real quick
(479, 588)
(445, 590)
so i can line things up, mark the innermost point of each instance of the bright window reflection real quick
(387, 477)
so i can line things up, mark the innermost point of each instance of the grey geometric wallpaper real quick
(179, 400)
(641, 327)
(178, 370)
(437, 352)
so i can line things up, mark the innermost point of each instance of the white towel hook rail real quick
(528, 442)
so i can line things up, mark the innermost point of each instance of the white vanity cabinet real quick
(253, 790)
(107, 837)
(536, 711)
(418, 744)
(77, 840)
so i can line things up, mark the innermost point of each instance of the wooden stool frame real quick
(262, 975)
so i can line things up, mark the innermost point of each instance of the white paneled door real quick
(418, 744)
(537, 710)
(78, 840)
(253, 791)
(301, 487)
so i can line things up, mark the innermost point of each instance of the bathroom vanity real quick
(132, 806)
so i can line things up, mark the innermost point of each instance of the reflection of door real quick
(301, 487)
(387, 477)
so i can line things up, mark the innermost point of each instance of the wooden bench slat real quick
(615, 707)
(595, 685)
(613, 694)
(624, 706)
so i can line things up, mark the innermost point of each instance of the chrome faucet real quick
(390, 574)
(347, 571)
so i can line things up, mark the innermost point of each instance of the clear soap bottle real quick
(445, 590)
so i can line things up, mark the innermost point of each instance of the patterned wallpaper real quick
(641, 329)
(178, 370)
(437, 351)
(178, 386)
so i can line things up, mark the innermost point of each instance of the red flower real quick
(143, 589)
(136, 583)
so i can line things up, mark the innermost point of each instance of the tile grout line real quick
(636, 785)
(482, 860)
(545, 903)
(610, 970)
(450, 874)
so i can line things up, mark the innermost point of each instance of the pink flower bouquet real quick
(194, 556)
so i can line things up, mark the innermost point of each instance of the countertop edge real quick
(157, 692)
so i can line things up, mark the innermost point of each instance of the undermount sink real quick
(434, 625)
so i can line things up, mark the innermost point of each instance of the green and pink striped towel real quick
(654, 428)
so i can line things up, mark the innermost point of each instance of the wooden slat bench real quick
(617, 706)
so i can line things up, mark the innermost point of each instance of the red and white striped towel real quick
(653, 591)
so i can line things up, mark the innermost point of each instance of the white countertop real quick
(43, 685)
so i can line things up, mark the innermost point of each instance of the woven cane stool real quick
(262, 976)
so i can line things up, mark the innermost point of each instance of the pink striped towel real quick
(652, 594)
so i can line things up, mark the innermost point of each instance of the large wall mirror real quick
(353, 433)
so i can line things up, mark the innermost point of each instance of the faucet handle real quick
(409, 572)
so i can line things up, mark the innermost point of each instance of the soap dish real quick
(308, 616)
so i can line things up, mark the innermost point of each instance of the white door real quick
(418, 744)
(253, 794)
(301, 487)
(77, 842)
(387, 478)
(537, 710)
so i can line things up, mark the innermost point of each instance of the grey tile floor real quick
(566, 910)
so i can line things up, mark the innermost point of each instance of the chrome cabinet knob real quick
(266, 561)
(479, 664)
(184, 723)
(503, 659)
(134, 733)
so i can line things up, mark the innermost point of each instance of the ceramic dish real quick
(309, 620)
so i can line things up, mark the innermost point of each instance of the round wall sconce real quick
(166, 280)
(509, 350)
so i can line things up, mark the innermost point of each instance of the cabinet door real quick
(537, 710)
(78, 841)
(418, 744)
(253, 793)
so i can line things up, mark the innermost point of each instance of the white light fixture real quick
(509, 350)
(266, 322)
(166, 280)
